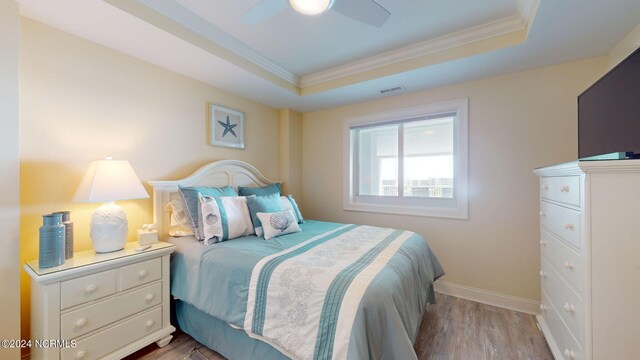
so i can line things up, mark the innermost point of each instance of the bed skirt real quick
(219, 336)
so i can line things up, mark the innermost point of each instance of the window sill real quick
(460, 213)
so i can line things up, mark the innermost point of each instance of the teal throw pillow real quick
(259, 191)
(264, 204)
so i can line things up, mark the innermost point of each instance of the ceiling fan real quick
(364, 11)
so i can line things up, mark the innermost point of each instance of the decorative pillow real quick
(265, 204)
(224, 218)
(289, 204)
(278, 223)
(259, 191)
(180, 224)
(190, 197)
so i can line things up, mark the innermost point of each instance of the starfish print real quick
(228, 127)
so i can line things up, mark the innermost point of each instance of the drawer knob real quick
(569, 354)
(542, 274)
(150, 324)
(81, 354)
(569, 308)
(543, 308)
(81, 323)
(569, 227)
(142, 274)
(542, 214)
(568, 265)
(90, 289)
(543, 243)
(564, 188)
(150, 297)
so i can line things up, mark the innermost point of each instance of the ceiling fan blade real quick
(263, 10)
(364, 11)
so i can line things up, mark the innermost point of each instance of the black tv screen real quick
(609, 112)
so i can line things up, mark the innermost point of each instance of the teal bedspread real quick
(217, 279)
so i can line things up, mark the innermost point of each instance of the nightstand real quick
(101, 305)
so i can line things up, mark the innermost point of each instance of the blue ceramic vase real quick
(51, 241)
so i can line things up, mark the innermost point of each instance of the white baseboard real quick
(488, 297)
(553, 346)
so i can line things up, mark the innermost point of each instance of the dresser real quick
(590, 259)
(101, 306)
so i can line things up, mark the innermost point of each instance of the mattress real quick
(220, 280)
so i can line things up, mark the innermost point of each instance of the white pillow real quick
(278, 223)
(288, 203)
(224, 218)
(179, 225)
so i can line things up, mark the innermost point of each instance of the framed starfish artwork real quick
(226, 127)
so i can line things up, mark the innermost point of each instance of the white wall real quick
(9, 177)
(517, 122)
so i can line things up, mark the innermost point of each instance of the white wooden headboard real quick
(220, 173)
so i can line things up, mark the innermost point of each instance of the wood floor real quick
(452, 329)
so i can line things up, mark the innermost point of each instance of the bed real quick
(330, 291)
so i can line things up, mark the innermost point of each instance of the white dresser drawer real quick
(116, 337)
(567, 302)
(569, 348)
(566, 189)
(562, 221)
(566, 260)
(87, 288)
(138, 274)
(89, 318)
(546, 187)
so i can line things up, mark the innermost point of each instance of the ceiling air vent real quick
(393, 89)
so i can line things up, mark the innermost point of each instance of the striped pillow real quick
(224, 218)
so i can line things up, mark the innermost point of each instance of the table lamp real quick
(107, 181)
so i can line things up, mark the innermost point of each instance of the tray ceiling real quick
(308, 63)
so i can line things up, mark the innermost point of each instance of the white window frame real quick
(454, 208)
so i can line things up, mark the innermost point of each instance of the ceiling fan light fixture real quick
(311, 7)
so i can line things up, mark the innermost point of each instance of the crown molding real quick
(185, 17)
(168, 16)
(519, 22)
(527, 10)
(181, 22)
(428, 47)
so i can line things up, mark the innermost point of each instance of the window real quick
(411, 161)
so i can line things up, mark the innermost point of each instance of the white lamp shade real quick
(110, 180)
(311, 7)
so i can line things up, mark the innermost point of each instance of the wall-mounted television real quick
(609, 114)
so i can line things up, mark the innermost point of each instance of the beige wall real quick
(626, 46)
(9, 177)
(516, 122)
(291, 153)
(81, 101)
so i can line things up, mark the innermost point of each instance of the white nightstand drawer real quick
(562, 221)
(89, 318)
(566, 189)
(116, 337)
(87, 288)
(567, 261)
(569, 348)
(141, 273)
(569, 305)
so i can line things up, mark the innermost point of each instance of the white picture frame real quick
(226, 127)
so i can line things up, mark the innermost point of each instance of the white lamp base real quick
(109, 227)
